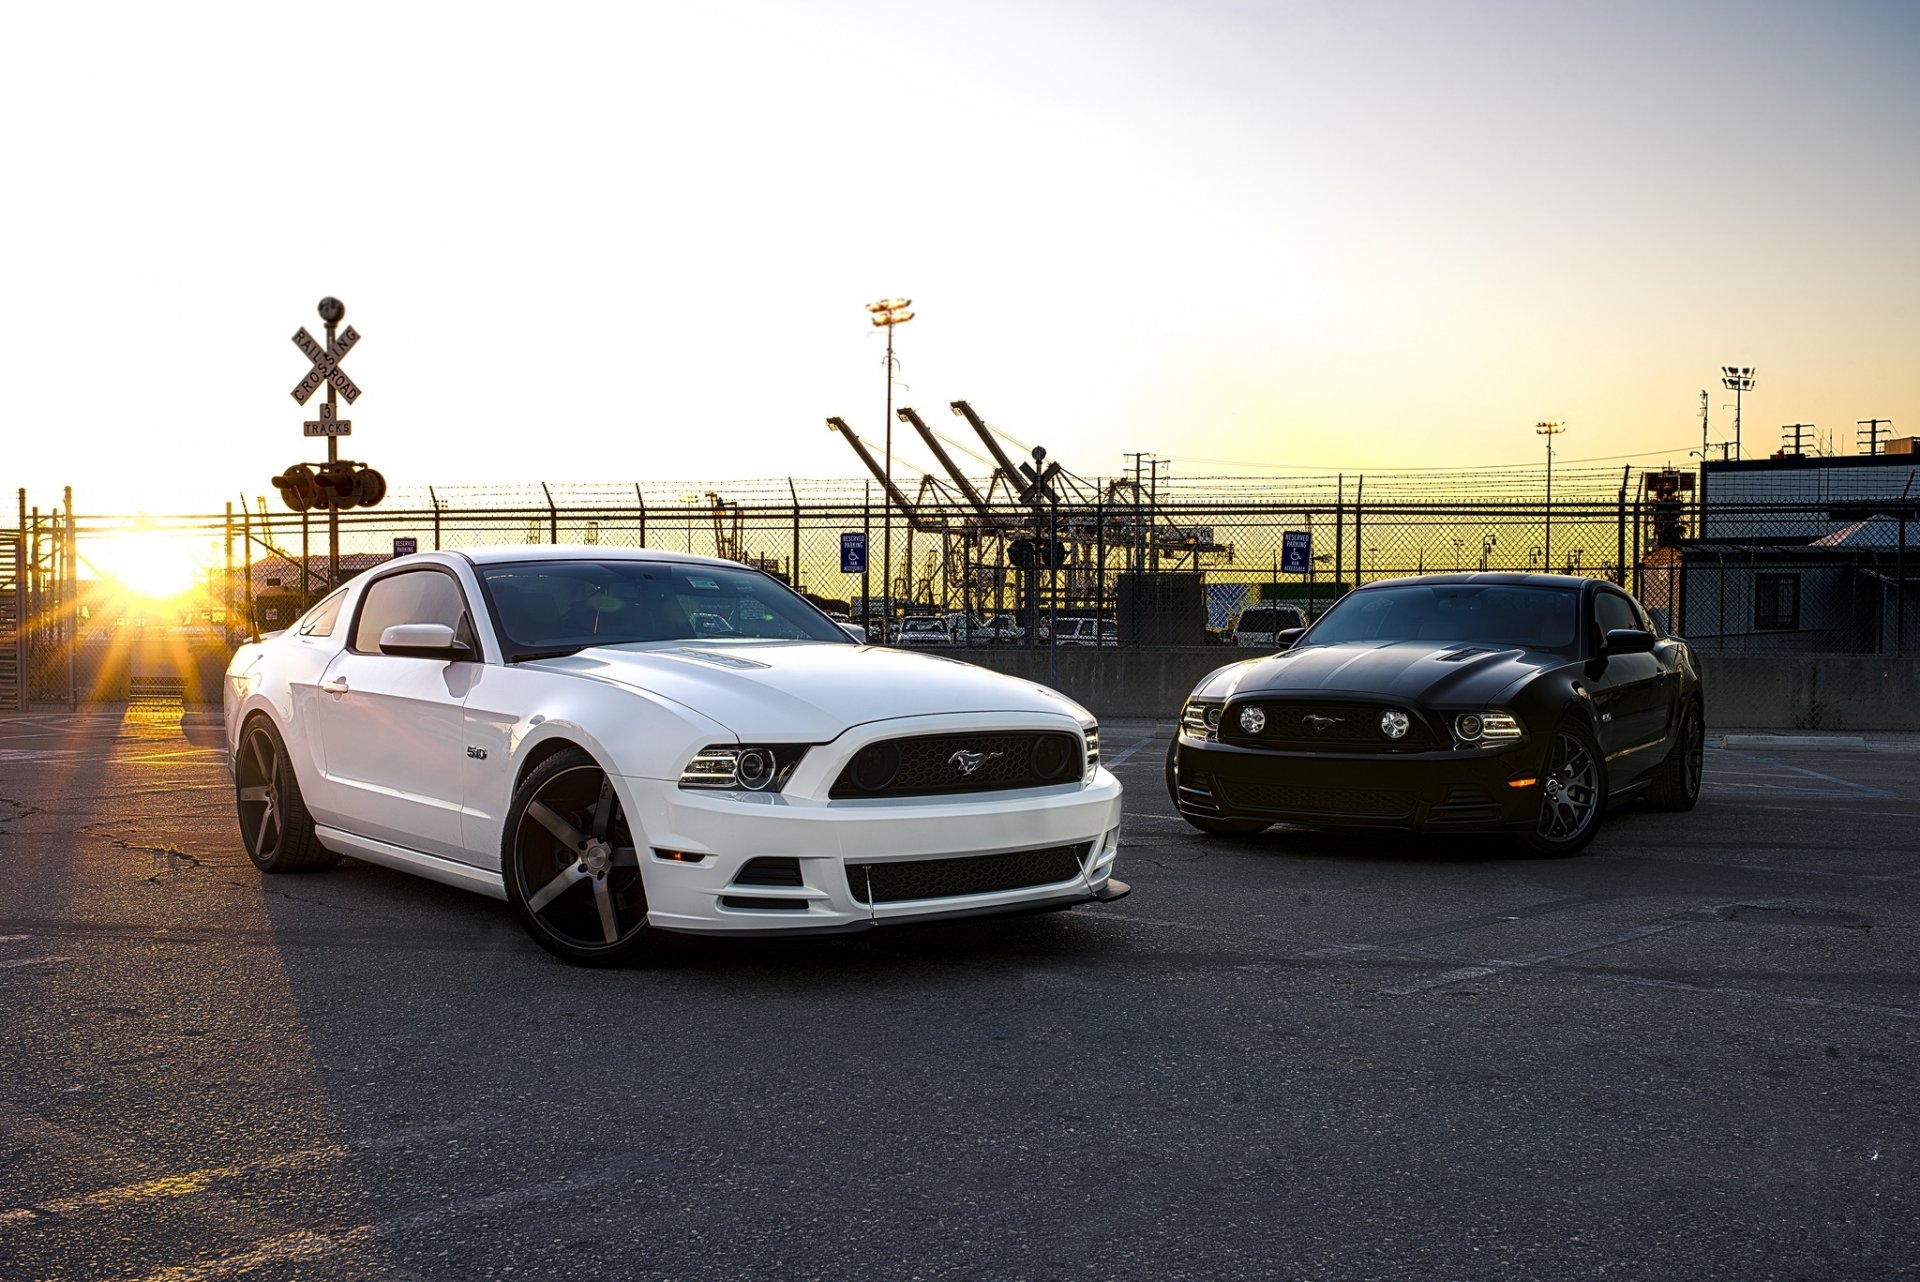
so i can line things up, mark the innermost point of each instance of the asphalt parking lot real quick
(1693, 1052)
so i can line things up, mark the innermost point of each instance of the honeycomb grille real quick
(931, 765)
(1343, 725)
(1380, 803)
(972, 875)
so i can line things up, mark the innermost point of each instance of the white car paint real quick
(412, 762)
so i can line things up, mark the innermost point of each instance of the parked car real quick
(1079, 632)
(1001, 629)
(924, 630)
(550, 727)
(1523, 702)
(1258, 625)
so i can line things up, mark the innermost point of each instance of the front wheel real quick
(570, 865)
(274, 824)
(1572, 794)
(1676, 782)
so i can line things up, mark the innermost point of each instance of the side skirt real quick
(400, 859)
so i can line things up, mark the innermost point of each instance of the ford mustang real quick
(1522, 702)
(624, 743)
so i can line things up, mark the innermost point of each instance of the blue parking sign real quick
(853, 553)
(1296, 551)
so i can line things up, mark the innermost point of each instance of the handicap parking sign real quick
(1296, 551)
(853, 553)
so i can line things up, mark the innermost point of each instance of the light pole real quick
(887, 313)
(1739, 380)
(1549, 430)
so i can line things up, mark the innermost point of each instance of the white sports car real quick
(571, 730)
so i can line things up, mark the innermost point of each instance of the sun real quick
(144, 565)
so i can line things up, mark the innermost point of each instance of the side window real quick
(1776, 602)
(320, 620)
(1611, 611)
(417, 596)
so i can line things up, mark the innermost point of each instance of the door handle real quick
(336, 686)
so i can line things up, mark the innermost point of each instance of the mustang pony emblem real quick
(1322, 724)
(968, 762)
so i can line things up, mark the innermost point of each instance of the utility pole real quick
(1872, 432)
(1799, 431)
(1549, 430)
(887, 313)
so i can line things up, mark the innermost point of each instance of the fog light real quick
(1394, 723)
(1253, 720)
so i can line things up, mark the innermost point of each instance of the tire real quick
(274, 824)
(570, 865)
(1676, 782)
(1212, 827)
(1573, 794)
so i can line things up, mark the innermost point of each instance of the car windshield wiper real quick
(559, 652)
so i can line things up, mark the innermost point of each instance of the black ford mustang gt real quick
(1524, 702)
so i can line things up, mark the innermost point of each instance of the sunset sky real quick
(634, 242)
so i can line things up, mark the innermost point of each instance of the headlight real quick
(757, 768)
(1091, 732)
(1201, 720)
(1487, 728)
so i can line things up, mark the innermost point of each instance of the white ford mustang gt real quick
(571, 730)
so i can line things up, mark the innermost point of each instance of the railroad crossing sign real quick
(1039, 474)
(1296, 551)
(326, 369)
(327, 424)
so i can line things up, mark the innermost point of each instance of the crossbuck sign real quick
(326, 369)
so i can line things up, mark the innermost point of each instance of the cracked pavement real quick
(1689, 1053)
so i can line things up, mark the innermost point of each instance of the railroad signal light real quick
(297, 488)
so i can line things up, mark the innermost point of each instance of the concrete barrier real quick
(1747, 691)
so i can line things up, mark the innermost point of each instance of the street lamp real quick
(1486, 550)
(887, 313)
(1549, 430)
(1739, 380)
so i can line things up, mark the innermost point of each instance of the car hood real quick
(810, 692)
(1410, 670)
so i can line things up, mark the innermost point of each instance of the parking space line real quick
(1484, 969)
(187, 1182)
(1129, 750)
(1724, 990)
(1860, 789)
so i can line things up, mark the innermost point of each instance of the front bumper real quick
(716, 893)
(1444, 789)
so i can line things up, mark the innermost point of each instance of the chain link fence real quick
(1117, 565)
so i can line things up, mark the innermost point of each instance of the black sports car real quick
(1524, 702)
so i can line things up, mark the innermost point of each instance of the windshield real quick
(557, 606)
(1476, 613)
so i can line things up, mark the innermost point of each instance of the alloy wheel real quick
(1570, 792)
(578, 870)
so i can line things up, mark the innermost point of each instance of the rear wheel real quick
(1572, 794)
(1676, 783)
(274, 824)
(571, 868)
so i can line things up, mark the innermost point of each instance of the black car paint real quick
(1629, 694)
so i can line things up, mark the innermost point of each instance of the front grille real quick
(931, 765)
(970, 875)
(1376, 803)
(1343, 725)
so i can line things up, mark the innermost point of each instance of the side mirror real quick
(1285, 637)
(424, 641)
(1628, 641)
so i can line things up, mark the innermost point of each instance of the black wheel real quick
(1572, 794)
(1215, 827)
(274, 824)
(571, 868)
(1676, 783)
